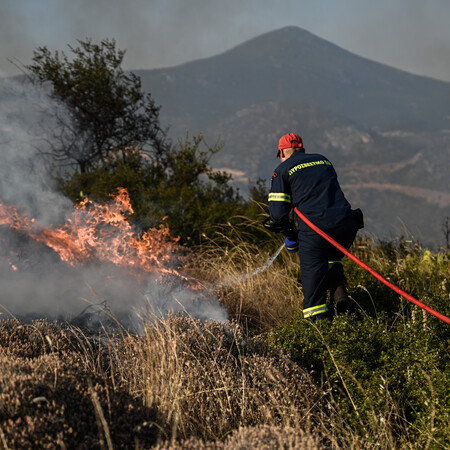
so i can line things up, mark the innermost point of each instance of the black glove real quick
(286, 227)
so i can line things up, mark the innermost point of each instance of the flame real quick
(99, 232)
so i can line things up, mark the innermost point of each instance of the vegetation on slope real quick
(384, 369)
(378, 377)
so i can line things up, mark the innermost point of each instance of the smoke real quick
(34, 282)
(409, 34)
(155, 33)
(27, 118)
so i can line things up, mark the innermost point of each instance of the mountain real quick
(386, 131)
(293, 65)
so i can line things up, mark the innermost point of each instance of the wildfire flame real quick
(99, 232)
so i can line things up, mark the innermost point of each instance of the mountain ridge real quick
(362, 114)
(335, 79)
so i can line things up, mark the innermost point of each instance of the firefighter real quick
(309, 182)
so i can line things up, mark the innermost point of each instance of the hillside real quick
(385, 130)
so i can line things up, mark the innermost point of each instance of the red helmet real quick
(290, 140)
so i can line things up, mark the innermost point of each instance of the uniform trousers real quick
(321, 265)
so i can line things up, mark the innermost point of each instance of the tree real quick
(108, 113)
(115, 140)
(193, 196)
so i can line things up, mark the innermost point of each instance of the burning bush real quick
(99, 232)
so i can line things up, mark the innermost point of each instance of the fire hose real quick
(371, 271)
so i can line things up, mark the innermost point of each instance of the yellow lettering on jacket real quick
(308, 164)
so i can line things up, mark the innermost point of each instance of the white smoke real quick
(45, 287)
(27, 123)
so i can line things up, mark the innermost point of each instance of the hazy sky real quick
(413, 35)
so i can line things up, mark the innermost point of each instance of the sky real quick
(413, 35)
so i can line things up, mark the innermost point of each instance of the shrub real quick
(385, 368)
(180, 187)
(408, 265)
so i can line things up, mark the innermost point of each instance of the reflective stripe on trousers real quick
(308, 312)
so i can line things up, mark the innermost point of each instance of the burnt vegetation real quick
(375, 378)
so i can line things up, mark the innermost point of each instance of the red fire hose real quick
(370, 270)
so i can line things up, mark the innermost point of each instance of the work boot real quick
(341, 302)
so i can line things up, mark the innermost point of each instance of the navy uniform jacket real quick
(309, 182)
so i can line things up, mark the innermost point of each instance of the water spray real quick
(240, 278)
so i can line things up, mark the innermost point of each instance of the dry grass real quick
(259, 302)
(207, 379)
(53, 391)
(181, 380)
(262, 437)
(187, 380)
(182, 383)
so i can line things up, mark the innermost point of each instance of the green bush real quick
(415, 270)
(386, 368)
(194, 198)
